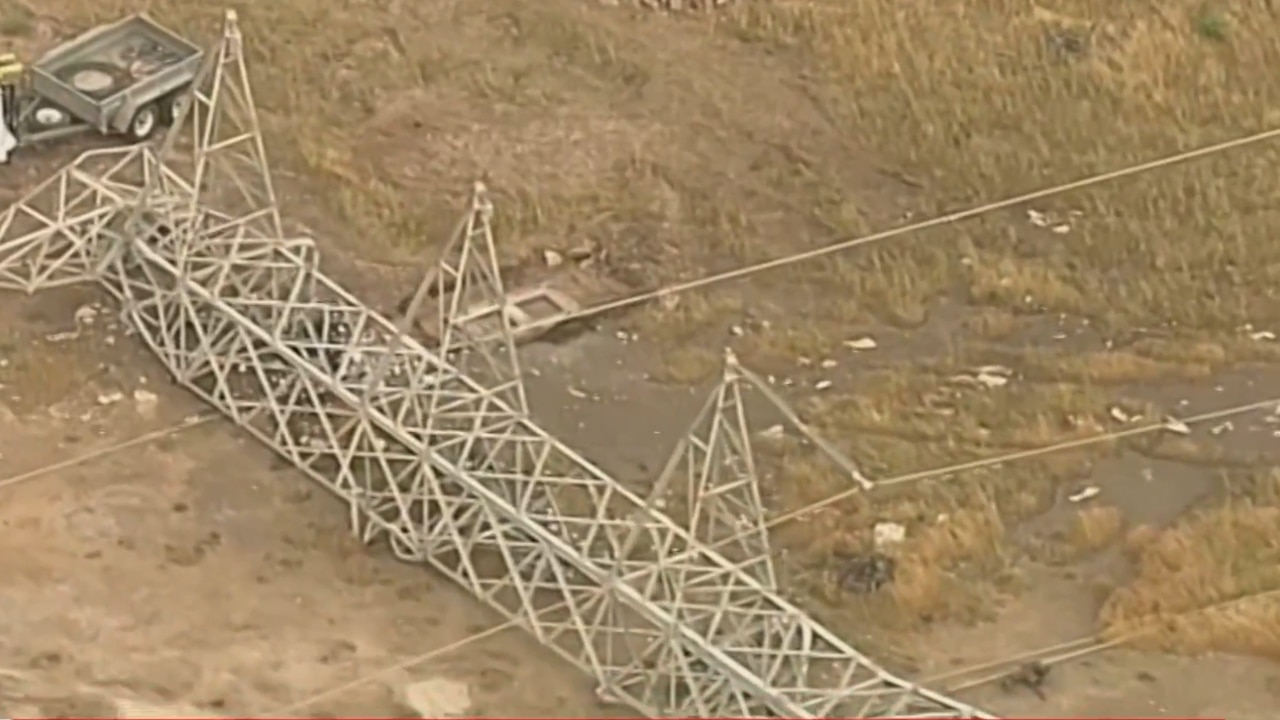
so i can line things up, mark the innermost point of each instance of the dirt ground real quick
(675, 146)
(196, 574)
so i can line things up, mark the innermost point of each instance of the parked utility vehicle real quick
(127, 78)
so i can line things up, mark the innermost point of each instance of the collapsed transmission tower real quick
(434, 449)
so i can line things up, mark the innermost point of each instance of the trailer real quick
(126, 79)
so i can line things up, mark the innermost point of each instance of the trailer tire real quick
(144, 122)
(172, 105)
(47, 116)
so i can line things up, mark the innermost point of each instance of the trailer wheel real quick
(173, 105)
(47, 116)
(144, 122)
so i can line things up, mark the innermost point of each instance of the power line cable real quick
(840, 244)
(835, 245)
(1066, 648)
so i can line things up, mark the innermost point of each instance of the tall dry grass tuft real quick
(1215, 556)
(1096, 528)
(1010, 96)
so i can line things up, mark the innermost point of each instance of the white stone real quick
(438, 697)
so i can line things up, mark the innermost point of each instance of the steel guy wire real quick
(839, 244)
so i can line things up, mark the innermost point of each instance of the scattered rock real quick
(438, 697)
(887, 534)
(1121, 415)
(145, 402)
(861, 344)
(110, 398)
(1046, 221)
(86, 314)
(987, 376)
(823, 385)
(552, 259)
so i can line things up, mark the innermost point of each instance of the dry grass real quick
(1013, 96)
(1096, 528)
(1084, 534)
(956, 562)
(17, 20)
(1016, 96)
(1212, 557)
(682, 148)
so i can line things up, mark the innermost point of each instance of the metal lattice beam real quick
(435, 449)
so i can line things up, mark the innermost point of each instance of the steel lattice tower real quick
(435, 449)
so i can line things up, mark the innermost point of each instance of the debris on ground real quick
(1087, 493)
(773, 432)
(1257, 335)
(1176, 426)
(86, 314)
(1045, 220)
(1029, 676)
(861, 344)
(867, 573)
(986, 376)
(438, 697)
(1121, 415)
(110, 398)
(886, 534)
(145, 402)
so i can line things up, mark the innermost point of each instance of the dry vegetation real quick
(1189, 575)
(684, 145)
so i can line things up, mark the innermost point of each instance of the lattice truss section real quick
(434, 449)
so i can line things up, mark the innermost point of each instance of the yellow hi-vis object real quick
(10, 68)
